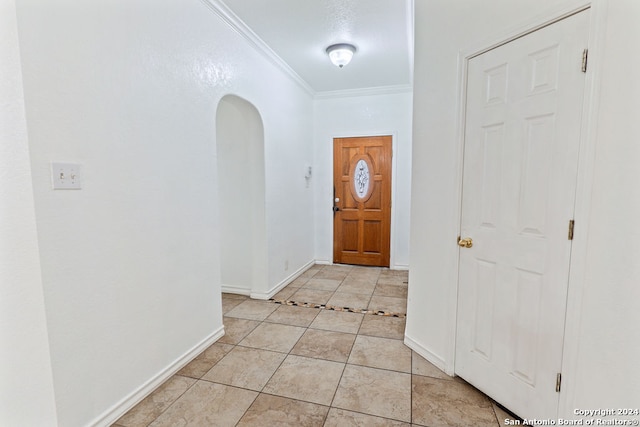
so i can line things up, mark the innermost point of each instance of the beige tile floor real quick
(287, 365)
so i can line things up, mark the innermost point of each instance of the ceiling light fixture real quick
(341, 53)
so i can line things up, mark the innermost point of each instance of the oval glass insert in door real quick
(361, 182)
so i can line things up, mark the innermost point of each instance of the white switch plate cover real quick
(65, 176)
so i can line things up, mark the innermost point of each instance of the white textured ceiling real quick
(299, 31)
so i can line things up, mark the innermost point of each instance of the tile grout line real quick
(175, 400)
(411, 391)
(261, 391)
(344, 368)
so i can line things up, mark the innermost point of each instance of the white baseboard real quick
(131, 400)
(436, 360)
(228, 289)
(393, 267)
(270, 293)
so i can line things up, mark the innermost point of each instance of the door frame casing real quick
(577, 265)
(392, 230)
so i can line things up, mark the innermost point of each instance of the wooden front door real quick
(362, 200)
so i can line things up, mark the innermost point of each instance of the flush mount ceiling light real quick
(341, 53)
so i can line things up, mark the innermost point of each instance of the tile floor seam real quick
(276, 370)
(299, 399)
(330, 405)
(249, 406)
(279, 366)
(341, 374)
(174, 401)
(493, 408)
(411, 390)
(335, 392)
(260, 392)
(329, 307)
(368, 413)
(382, 369)
(294, 398)
(377, 416)
(315, 358)
(263, 349)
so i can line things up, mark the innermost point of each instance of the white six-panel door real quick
(523, 121)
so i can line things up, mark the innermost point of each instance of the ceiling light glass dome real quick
(341, 54)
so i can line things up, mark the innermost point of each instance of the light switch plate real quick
(65, 176)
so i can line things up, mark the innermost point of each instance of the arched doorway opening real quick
(241, 192)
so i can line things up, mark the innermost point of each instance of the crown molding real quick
(369, 91)
(236, 24)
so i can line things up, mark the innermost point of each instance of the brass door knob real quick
(465, 243)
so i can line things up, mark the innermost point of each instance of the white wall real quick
(26, 389)
(240, 150)
(600, 367)
(288, 122)
(130, 263)
(382, 114)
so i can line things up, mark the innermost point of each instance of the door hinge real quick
(585, 56)
(571, 225)
(558, 382)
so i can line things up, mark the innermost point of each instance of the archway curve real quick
(241, 196)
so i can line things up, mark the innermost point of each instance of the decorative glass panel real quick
(361, 179)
